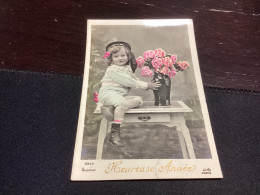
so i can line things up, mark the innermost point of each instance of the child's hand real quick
(154, 85)
(96, 97)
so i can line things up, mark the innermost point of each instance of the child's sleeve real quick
(127, 81)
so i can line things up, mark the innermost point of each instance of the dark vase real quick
(163, 94)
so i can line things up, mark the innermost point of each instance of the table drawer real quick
(149, 118)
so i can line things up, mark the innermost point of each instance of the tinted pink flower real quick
(164, 70)
(183, 65)
(159, 53)
(146, 72)
(157, 63)
(174, 58)
(167, 61)
(96, 97)
(150, 73)
(140, 61)
(171, 73)
(149, 54)
(171, 67)
(106, 54)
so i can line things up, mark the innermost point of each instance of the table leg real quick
(181, 138)
(182, 143)
(186, 134)
(101, 137)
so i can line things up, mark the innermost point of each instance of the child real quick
(116, 83)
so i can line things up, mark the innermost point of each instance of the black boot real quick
(114, 138)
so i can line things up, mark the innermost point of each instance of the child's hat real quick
(118, 43)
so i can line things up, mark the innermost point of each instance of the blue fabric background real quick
(38, 122)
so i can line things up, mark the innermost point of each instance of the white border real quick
(102, 165)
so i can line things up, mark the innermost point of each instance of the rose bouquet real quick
(156, 61)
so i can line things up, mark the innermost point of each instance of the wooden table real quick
(170, 116)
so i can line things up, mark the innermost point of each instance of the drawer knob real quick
(144, 118)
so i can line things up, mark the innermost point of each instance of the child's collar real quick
(126, 67)
(119, 65)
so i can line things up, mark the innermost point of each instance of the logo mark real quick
(206, 171)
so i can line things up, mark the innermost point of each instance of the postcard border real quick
(78, 165)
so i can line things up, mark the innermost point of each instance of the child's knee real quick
(139, 99)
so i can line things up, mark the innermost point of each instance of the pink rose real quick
(149, 54)
(157, 63)
(159, 53)
(146, 72)
(164, 70)
(174, 58)
(171, 67)
(183, 65)
(172, 73)
(140, 61)
(167, 61)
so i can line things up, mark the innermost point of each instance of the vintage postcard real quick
(143, 113)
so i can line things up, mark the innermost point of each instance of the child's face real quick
(120, 58)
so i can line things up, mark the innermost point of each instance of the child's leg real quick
(134, 102)
(120, 112)
(118, 119)
(115, 127)
(119, 115)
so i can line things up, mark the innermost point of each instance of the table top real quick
(51, 36)
(149, 107)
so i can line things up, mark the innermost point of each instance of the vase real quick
(163, 94)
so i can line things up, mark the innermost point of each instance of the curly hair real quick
(116, 48)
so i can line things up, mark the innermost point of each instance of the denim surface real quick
(38, 122)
